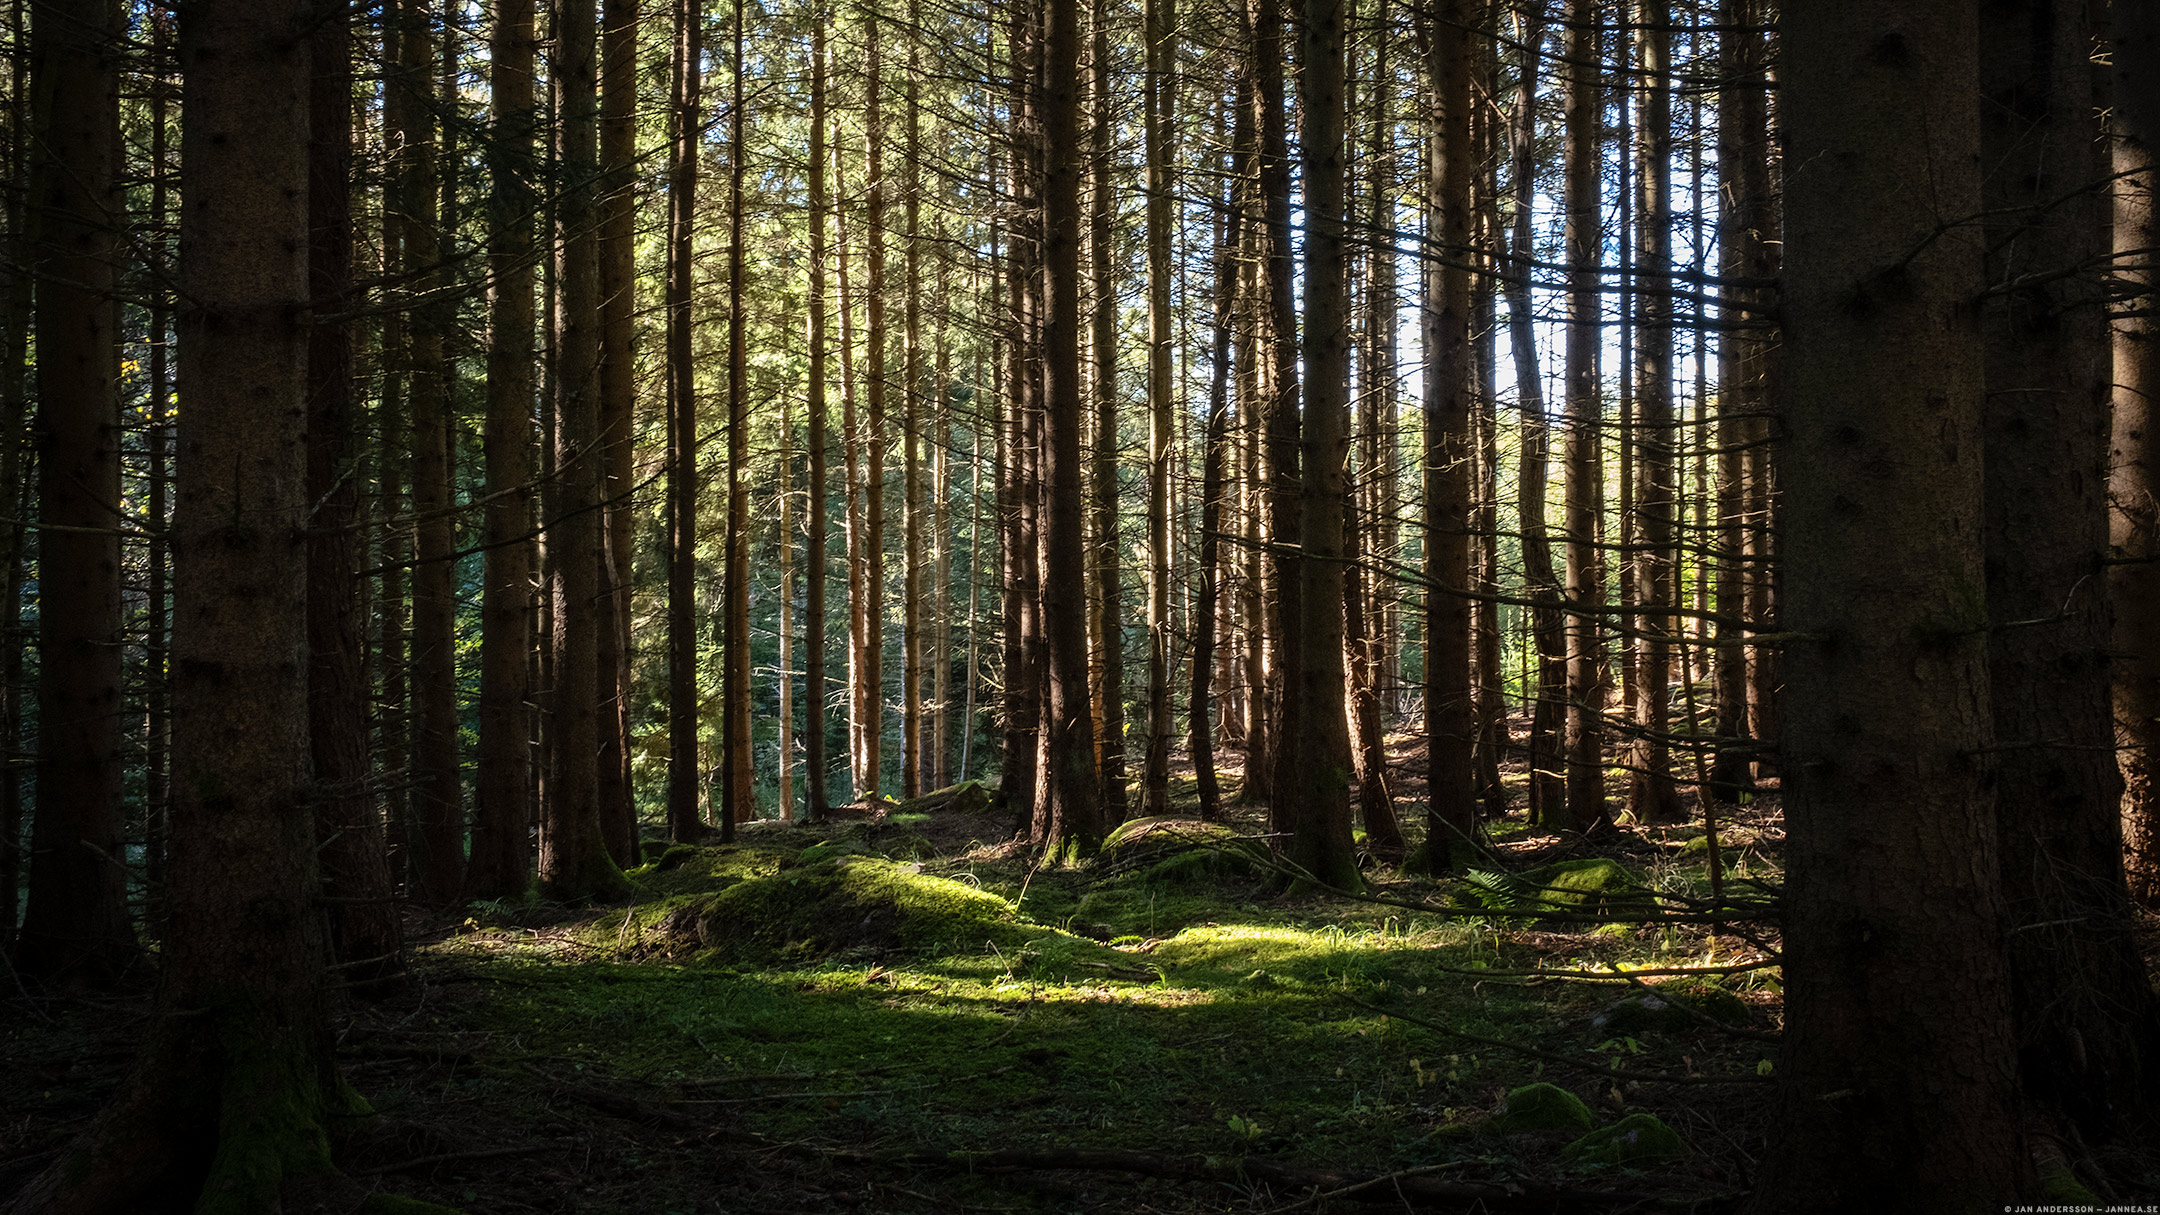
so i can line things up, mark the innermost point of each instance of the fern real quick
(1493, 891)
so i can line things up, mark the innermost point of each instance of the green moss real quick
(1542, 1107)
(270, 1106)
(1636, 1140)
(839, 905)
(1598, 884)
(1706, 996)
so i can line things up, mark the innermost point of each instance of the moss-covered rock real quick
(1638, 1139)
(839, 905)
(1598, 884)
(1542, 1107)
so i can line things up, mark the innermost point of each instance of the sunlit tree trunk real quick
(870, 673)
(911, 423)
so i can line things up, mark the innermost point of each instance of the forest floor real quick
(819, 1019)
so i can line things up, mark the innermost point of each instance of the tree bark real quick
(738, 802)
(235, 1083)
(1450, 713)
(2084, 1006)
(2134, 450)
(618, 403)
(366, 936)
(75, 925)
(1108, 603)
(1893, 896)
(1161, 33)
(685, 762)
(575, 863)
(820, 442)
(1653, 797)
(1068, 805)
(501, 859)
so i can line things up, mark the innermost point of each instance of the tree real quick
(1583, 483)
(1321, 844)
(1161, 32)
(501, 860)
(2133, 458)
(1896, 1080)
(819, 442)
(366, 936)
(574, 858)
(1068, 807)
(234, 1086)
(1450, 716)
(75, 926)
(2084, 1007)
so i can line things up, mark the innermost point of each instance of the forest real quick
(1078, 605)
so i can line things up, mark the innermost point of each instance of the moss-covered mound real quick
(1671, 1008)
(1542, 1107)
(1638, 1139)
(834, 906)
(1173, 851)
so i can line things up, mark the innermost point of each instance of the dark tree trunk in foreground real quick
(2134, 455)
(738, 800)
(366, 936)
(2085, 1015)
(618, 405)
(1107, 603)
(235, 1083)
(1161, 32)
(75, 926)
(1897, 1084)
(501, 862)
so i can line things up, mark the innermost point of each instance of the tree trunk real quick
(618, 402)
(685, 764)
(1108, 603)
(2083, 1003)
(1652, 795)
(366, 937)
(814, 728)
(1743, 139)
(75, 924)
(1450, 713)
(1068, 805)
(870, 671)
(1160, 138)
(1548, 778)
(1893, 900)
(235, 1084)
(738, 802)
(575, 862)
(502, 805)
(911, 419)
(2134, 456)
(1278, 416)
